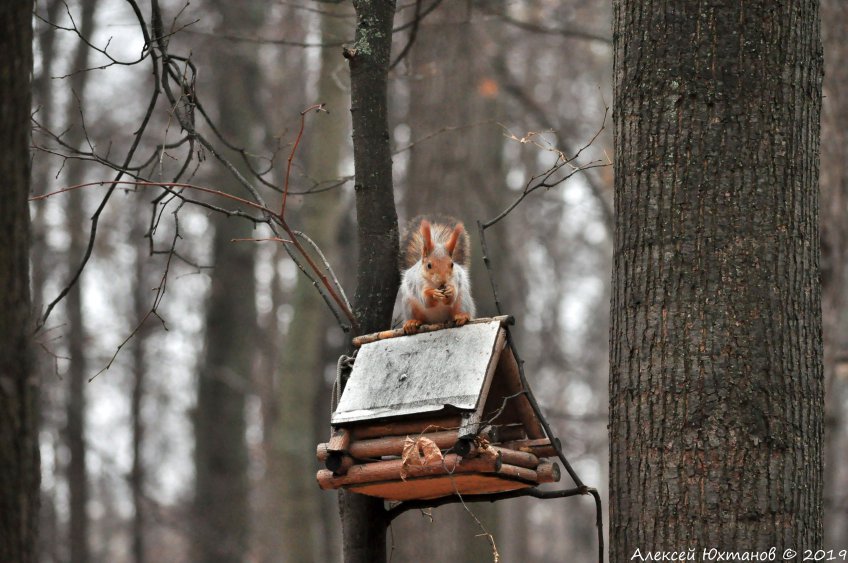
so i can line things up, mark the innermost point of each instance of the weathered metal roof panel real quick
(419, 374)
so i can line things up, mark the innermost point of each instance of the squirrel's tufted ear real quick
(454, 238)
(426, 239)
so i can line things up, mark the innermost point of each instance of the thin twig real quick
(128, 159)
(266, 239)
(146, 184)
(174, 76)
(157, 300)
(326, 264)
(340, 300)
(304, 44)
(484, 247)
(569, 32)
(317, 108)
(416, 19)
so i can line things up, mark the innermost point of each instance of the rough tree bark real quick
(716, 351)
(19, 462)
(377, 278)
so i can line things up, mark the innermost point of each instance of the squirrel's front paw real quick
(411, 326)
(461, 318)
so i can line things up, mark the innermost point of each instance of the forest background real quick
(197, 442)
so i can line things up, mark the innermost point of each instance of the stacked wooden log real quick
(374, 459)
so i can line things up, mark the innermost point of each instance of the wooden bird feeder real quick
(438, 413)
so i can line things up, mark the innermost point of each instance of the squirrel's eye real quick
(429, 266)
(451, 265)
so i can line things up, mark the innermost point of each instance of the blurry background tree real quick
(75, 430)
(221, 498)
(199, 440)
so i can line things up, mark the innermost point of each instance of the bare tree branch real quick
(570, 32)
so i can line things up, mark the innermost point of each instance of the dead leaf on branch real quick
(419, 451)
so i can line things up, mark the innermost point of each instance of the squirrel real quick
(435, 285)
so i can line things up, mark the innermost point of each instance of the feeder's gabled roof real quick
(420, 374)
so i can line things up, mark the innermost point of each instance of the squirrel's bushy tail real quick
(441, 227)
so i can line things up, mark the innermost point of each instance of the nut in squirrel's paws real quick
(411, 326)
(461, 318)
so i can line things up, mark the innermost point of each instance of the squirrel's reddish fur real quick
(436, 287)
(441, 228)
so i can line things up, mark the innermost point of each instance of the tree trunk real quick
(221, 488)
(77, 474)
(716, 351)
(221, 495)
(141, 305)
(50, 539)
(42, 92)
(268, 534)
(299, 526)
(19, 462)
(377, 276)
